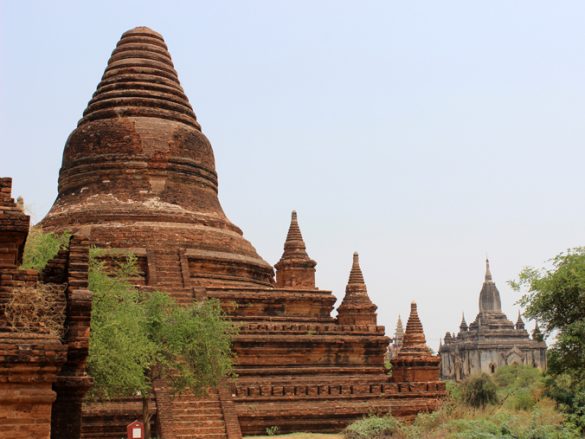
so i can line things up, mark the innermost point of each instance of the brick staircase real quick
(169, 277)
(168, 270)
(186, 416)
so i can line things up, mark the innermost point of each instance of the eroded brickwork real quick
(138, 176)
(42, 373)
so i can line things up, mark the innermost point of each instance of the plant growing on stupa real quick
(137, 338)
(42, 246)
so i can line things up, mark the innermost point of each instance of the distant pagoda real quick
(490, 341)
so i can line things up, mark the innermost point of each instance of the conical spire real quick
(137, 172)
(295, 269)
(294, 246)
(140, 81)
(519, 321)
(355, 276)
(415, 362)
(488, 273)
(489, 297)
(356, 307)
(399, 333)
(463, 326)
(536, 334)
(414, 336)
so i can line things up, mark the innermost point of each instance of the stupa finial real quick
(355, 275)
(295, 268)
(488, 273)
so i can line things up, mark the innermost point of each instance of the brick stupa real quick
(138, 176)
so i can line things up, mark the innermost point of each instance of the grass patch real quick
(301, 436)
(518, 410)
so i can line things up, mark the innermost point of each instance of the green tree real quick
(555, 297)
(41, 247)
(479, 391)
(137, 337)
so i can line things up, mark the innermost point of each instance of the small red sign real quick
(135, 430)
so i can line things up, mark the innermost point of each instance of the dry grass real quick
(300, 436)
(39, 309)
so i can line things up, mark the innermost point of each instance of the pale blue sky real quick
(423, 134)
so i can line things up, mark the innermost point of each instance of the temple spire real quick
(355, 275)
(399, 333)
(295, 269)
(519, 321)
(294, 246)
(463, 326)
(536, 334)
(414, 336)
(488, 273)
(489, 297)
(356, 307)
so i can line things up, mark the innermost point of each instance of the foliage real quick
(506, 419)
(519, 387)
(555, 297)
(569, 393)
(373, 428)
(41, 247)
(272, 431)
(137, 337)
(479, 391)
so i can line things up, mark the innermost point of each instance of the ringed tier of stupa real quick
(138, 176)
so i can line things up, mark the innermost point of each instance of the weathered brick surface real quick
(139, 176)
(212, 416)
(42, 377)
(29, 365)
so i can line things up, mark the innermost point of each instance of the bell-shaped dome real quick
(138, 172)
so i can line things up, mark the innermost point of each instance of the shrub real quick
(271, 431)
(475, 429)
(373, 427)
(41, 247)
(479, 391)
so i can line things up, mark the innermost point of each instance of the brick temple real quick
(138, 176)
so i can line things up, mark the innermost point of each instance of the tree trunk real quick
(146, 416)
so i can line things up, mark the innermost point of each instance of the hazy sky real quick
(424, 135)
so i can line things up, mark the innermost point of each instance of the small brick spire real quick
(294, 246)
(414, 336)
(295, 268)
(356, 307)
(414, 362)
(355, 275)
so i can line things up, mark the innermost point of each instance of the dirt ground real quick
(298, 436)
